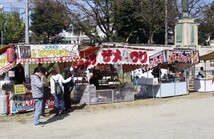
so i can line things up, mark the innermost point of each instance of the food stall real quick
(175, 82)
(205, 84)
(104, 85)
(5, 82)
(20, 95)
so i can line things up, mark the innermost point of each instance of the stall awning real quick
(130, 58)
(209, 56)
(4, 49)
(87, 52)
(51, 53)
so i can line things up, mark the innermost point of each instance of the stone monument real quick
(186, 30)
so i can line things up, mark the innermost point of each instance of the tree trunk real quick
(150, 41)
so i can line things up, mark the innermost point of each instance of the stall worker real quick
(19, 74)
(201, 73)
(157, 72)
(37, 85)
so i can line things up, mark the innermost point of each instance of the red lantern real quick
(10, 55)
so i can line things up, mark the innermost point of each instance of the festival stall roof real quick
(130, 58)
(4, 49)
(87, 52)
(209, 56)
(47, 53)
(4, 64)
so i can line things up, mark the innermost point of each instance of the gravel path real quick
(168, 118)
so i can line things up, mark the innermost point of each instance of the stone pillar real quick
(186, 30)
(186, 33)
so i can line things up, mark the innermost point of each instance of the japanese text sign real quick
(158, 58)
(183, 56)
(122, 56)
(38, 51)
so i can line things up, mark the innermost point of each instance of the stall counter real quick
(203, 85)
(167, 89)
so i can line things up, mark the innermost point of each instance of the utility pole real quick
(27, 66)
(27, 23)
(2, 38)
(2, 28)
(166, 22)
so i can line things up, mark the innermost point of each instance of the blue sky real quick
(13, 3)
(21, 4)
(18, 4)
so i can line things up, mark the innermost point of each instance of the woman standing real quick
(58, 98)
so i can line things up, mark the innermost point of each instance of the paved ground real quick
(185, 117)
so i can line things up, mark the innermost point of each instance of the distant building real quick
(1, 8)
(74, 36)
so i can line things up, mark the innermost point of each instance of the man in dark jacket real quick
(37, 85)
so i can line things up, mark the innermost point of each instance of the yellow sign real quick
(3, 60)
(48, 53)
(19, 89)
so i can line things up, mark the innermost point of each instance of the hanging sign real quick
(4, 64)
(158, 58)
(181, 56)
(19, 89)
(47, 53)
(122, 56)
(174, 56)
(3, 60)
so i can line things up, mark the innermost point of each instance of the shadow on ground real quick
(54, 118)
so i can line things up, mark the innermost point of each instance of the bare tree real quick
(92, 17)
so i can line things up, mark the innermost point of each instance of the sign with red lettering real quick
(158, 58)
(182, 56)
(122, 56)
(174, 56)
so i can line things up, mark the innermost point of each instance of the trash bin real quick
(3, 105)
